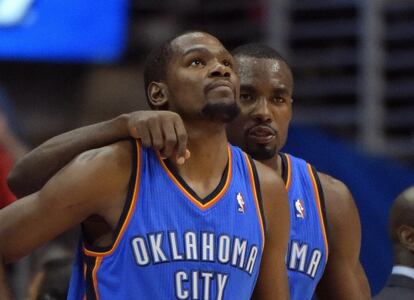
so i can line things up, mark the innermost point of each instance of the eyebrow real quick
(251, 88)
(247, 88)
(282, 89)
(205, 50)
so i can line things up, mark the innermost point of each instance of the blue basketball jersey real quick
(172, 245)
(308, 249)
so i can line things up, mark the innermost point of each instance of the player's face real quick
(266, 107)
(201, 79)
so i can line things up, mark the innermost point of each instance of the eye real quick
(278, 99)
(227, 63)
(196, 62)
(246, 97)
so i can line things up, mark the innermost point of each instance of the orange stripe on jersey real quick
(189, 196)
(318, 203)
(130, 210)
(94, 276)
(256, 201)
(289, 172)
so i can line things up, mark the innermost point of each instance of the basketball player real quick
(154, 229)
(324, 246)
(325, 236)
(400, 284)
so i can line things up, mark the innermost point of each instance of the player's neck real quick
(403, 256)
(209, 157)
(275, 163)
(208, 149)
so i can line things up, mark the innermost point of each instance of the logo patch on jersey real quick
(300, 210)
(240, 202)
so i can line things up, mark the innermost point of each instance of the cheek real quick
(285, 115)
(187, 89)
(185, 80)
(284, 128)
(282, 118)
(245, 109)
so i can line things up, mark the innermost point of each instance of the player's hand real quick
(161, 130)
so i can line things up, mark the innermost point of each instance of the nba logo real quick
(240, 203)
(300, 210)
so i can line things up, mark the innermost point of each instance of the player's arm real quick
(344, 277)
(162, 130)
(80, 190)
(272, 282)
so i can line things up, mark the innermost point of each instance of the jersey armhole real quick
(322, 201)
(258, 191)
(127, 210)
(286, 168)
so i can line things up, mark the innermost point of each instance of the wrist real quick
(121, 125)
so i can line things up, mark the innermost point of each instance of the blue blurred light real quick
(63, 30)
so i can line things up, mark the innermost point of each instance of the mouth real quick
(220, 84)
(262, 134)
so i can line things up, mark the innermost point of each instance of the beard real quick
(222, 112)
(260, 152)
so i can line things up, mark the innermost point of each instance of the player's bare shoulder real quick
(338, 198)
(102, 171)
(103, 175)
(267, 175)
(116, 155)
(274, 195)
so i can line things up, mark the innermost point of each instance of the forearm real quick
(32, 171)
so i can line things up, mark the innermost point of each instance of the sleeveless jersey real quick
(308, 249)
(172, 245)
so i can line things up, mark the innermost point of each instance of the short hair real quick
(257, 50)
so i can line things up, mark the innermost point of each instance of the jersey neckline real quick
(213, 197)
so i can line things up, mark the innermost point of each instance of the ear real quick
(158, 94)
(406, 236)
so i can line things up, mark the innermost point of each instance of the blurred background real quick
(64, 64)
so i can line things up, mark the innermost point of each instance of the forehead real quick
(196, 41)
(263, 70)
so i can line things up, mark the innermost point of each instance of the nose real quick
(261, 112)
(219, 70)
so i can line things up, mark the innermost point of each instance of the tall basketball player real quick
(155, 229)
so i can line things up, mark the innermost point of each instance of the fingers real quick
(161, 130)
(142, 132)
(157, 136)
(182, 153)
(170, 140)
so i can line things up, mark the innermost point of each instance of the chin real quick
(221, 110)
(261, 152)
